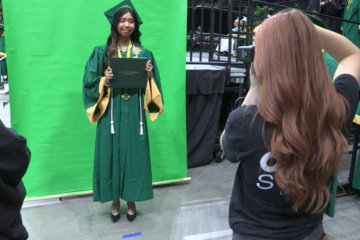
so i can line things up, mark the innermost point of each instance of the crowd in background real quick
(341, 9)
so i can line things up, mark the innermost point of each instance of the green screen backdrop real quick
(48, 44)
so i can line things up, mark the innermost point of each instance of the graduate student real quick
(288, 133)
(351, 30)
(122, 167)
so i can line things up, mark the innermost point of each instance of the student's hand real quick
(108, 75)
(149, 68)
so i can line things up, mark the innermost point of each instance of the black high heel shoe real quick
(129, 217)
(114, 218)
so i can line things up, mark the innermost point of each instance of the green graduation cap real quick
(316, 21)
(124, 4)
(2, 26)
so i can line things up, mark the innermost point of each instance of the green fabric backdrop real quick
(48, 43)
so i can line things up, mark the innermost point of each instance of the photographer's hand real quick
(252, 97)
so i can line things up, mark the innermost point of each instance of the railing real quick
(1, 76)
(218, 21)
(2, 83)
(214, 23)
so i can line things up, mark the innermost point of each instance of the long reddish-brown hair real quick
(300, 105)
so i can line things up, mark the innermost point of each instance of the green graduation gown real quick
(331, 64)
(122, 160)
(350, 30)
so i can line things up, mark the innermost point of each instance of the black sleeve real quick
(229, 138)
(239, 133)
(336, 8)
(347, 86)
(14, 156)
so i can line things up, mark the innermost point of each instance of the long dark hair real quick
(302, 108)
(114, 37)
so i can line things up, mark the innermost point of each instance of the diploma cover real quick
(128, 72)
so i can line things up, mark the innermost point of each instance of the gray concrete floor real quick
(190, 211)
(193, 211)
(196, 210)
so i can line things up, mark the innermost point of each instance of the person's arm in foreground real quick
(347, 56)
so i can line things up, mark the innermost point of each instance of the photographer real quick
(14, 161)
(287, 135)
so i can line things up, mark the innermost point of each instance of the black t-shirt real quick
(258, 207)
(14, 161)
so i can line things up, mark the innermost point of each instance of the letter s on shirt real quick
(263, 180)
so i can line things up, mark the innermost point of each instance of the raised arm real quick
(343, 51)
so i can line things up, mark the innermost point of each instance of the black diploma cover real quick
(128, 72)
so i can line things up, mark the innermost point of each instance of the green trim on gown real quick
(122, 166)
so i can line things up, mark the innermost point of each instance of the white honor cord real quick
(112, 114)
(141, 117)
(140, 105)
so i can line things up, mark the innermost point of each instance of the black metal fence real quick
(209, 30)
(211, 21)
